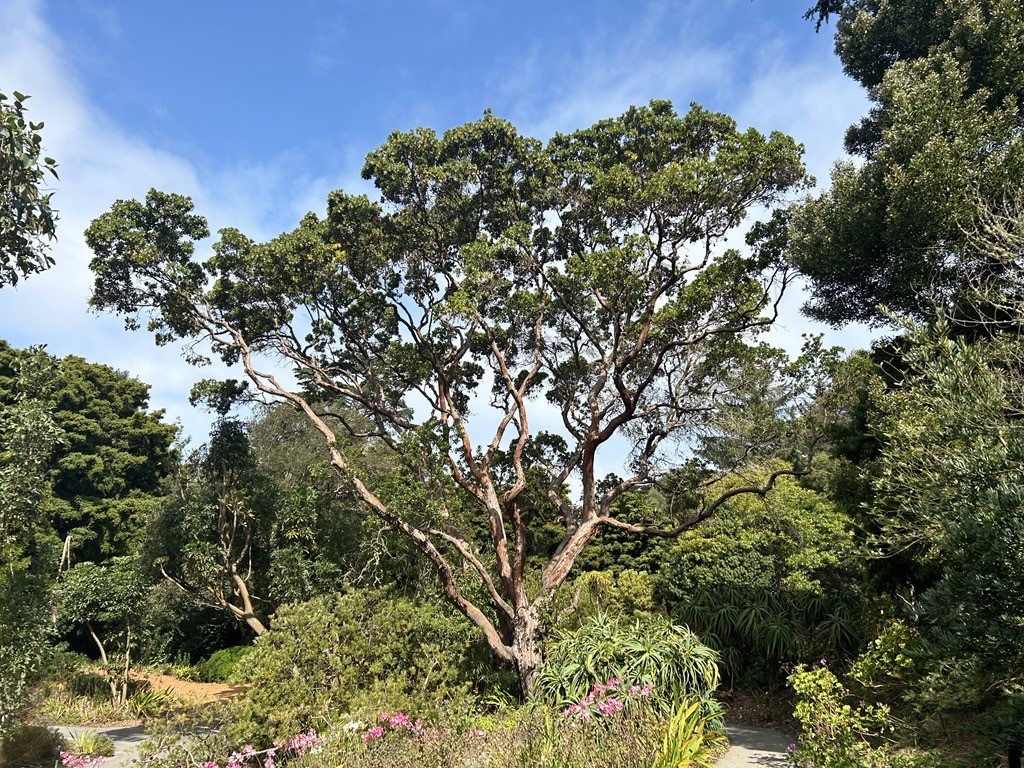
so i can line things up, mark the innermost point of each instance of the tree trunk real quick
(526, 652)
(255, 624)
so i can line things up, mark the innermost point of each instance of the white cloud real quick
(100, 162)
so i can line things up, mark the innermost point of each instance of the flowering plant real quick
(402, 723)
(250, 757)
(71, 760)
(606, 699)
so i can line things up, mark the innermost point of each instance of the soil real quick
(764, 709)
(187, 689)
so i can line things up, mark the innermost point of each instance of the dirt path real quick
(752, 746)
(187, 689)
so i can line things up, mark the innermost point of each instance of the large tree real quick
(941, 142)
(116, 452)
(27, 221)
(499, 286)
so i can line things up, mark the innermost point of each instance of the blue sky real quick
(258, 109)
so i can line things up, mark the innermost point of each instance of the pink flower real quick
(609, 706)
(372, 734)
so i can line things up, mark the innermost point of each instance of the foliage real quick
(212, 538)
(767, 581)
(941, 142)
(892, 662)
(628, 594)
(28, 436)
(950, 495)
(90, 744)
(321, 531)
(113, 453)
(522, 737)
(182, 735)
(337, 654)
(285, 750)
(223, 665)
(27, 221)
(149, 702)
(689, 740)
(109, 477)
(107, 600)
(835, 733)
(29, 746)
(75, 692)
(645, 651)
(587, 273)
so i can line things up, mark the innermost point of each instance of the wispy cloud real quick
(663, 53)
(100, 162)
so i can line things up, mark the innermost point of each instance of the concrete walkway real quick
(754, 747)
(126, 740)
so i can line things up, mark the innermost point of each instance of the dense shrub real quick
(837, 731)
(767, 582)
(338, 654)
(628, 593)
(29, 746)
(222, 665)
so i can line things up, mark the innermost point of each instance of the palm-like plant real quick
(646, 651)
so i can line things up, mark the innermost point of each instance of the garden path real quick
(752, 746)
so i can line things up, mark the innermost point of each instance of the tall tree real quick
(496, 281)
(943, 140)
(27, 222)
(115, 455)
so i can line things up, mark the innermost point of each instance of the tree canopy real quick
(496, 278)
(941, 142)
(27, 221)
(115, 455)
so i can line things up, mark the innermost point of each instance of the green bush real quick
(628, 593)
(647, 650)
(90, 744)
(364, 650)
(29, 746)
(222, 665)
(837, 731)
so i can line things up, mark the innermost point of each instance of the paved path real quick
(754, 747)
(126, 740)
